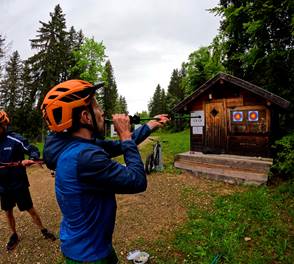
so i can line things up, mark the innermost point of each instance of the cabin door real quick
(215, 140)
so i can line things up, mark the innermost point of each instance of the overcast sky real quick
(145, 39)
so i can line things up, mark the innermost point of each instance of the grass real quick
(252, 227)
(247, 227)
(172, 143)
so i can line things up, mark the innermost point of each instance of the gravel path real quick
(142, 216)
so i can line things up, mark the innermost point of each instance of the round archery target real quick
(253, 115)
(238, 116)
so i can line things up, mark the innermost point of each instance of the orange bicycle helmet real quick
(4, 120)
(59, 102)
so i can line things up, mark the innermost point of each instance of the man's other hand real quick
(26, 163)
(159, 121)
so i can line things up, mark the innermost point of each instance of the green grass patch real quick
(262, 216)
(172, 143)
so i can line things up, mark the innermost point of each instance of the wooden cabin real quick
(232, 116)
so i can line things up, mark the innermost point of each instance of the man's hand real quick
(159, 121)
(122, 126)
(26, 163)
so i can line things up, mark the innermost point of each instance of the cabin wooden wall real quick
(246, 138)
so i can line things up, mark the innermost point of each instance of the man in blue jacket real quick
(14, 184)
(87, 179)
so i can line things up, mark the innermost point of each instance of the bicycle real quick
(154, 159)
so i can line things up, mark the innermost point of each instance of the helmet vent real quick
(57, 113)
(70, 98)
(77, 95)
(61, 89)
(52, 96)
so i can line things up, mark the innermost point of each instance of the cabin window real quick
(248, 121)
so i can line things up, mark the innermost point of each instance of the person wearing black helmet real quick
(14, 184)
(87, 179)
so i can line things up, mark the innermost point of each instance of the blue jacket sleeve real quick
(96, 169)
(31, 150)
(114, 148)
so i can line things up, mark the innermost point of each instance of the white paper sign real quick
(197, 118)
(197, 130)
(112, 131)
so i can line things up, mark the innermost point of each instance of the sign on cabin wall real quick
(197, 122)
(113, 133)
(197, 130)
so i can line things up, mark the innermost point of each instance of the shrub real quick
(283, 164)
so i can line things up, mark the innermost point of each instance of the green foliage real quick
(52, 61)
(122, 106)
(257, 42)
(11, 85)
(175, 90)
(110, 95)
(143, 114)
(2, 51)
(157, 104)
(202, 65)
(89, 60)
(25, 82)
(283, 166)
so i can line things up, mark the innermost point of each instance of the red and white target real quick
(253, 115)
(237, 116)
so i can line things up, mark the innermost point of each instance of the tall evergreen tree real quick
(26, 113)
(11, 85)
(51, 61)
(122, 107)
(2, 52)
(156, 104)
(110, 95)
(175, 90)
(163, 102)
(75, 41)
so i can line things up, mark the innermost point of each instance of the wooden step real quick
(254, 164)
(227, 168)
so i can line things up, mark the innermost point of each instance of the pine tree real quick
(122, 107)
(26, 113)
(2, 52)
(75, 41)
(163, 108)
(175, 91)
(11, 85)
(53, 57)
(155, 104)
(110, 95)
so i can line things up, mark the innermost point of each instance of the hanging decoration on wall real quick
(237, 116)
(252, 115)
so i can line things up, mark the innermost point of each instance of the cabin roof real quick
(277, 100)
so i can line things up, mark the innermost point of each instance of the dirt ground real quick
(146, 216)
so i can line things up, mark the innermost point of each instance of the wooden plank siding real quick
(220, 98)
